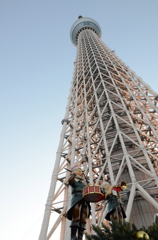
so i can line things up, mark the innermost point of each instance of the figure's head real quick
(106, 185)
(77, 171)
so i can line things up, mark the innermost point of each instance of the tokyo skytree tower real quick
(110, 129)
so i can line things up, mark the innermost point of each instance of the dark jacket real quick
(112, 204)
(76, 190)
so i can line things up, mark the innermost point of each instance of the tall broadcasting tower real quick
(110, 129)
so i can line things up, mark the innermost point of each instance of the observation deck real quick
(81, 24)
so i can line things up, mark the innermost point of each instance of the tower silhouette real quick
(110, 129)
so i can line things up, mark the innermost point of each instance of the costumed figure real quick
(114, 209)
(80, 209)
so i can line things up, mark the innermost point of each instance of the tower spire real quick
(110, 129)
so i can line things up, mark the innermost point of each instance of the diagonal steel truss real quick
(110, 129)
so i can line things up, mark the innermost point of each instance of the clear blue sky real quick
(36, 67)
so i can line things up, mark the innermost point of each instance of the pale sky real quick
(37, 60)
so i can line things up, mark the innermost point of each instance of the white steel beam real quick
(110, 129)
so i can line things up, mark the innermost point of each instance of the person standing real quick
(80, 209)
(114, 208)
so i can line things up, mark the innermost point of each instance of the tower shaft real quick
(110, 129)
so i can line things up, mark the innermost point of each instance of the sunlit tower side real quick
(110, 129)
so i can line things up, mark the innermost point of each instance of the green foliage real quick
(100, 233)
(152, 231)
(122, 231)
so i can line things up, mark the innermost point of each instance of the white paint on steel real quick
(110, 129)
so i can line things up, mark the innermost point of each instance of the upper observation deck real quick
(81, 24)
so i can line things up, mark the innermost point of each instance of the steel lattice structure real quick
(110, 129)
